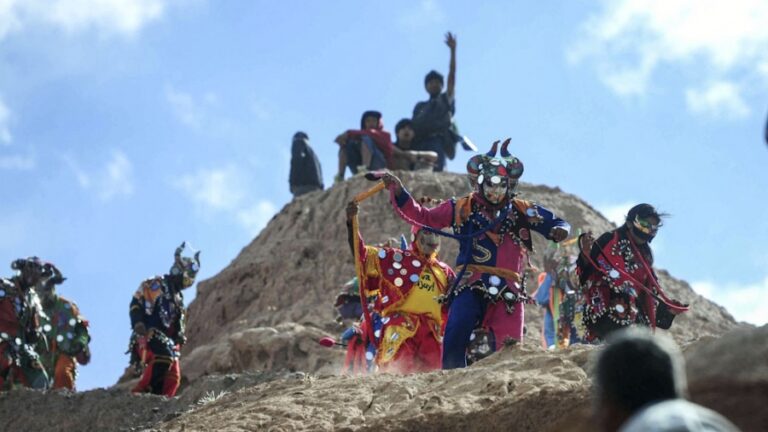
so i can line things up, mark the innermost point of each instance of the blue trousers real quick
(465, 313)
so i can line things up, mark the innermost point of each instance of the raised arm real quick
(450, 40)
(438, 217)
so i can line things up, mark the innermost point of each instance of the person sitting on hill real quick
(617, 278)
(404, 157)
(366, 149)
(306, 174)
(640, 385)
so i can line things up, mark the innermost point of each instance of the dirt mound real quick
(292, 271)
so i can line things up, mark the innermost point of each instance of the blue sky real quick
(127, 126)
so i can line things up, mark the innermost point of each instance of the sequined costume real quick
(157, 317)
(494, 244)
(563, 304)
(619, 286)
(405, 285)
(67, 334)
(20, 313)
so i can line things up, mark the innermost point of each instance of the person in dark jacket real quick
(306, 174)
(369, 148)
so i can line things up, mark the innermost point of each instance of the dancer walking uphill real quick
(406, 283)
(20, 313)
(617, 278)
(494, 229)
(66, 333)
(157, 318)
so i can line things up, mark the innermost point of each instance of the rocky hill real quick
(253, 361)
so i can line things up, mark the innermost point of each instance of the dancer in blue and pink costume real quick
(494, 232)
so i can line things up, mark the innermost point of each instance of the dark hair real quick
(403, 123)
(300, 135)
(636, 368)
(644, 211)
(369, 114)
(433, 74)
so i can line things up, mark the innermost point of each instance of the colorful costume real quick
(405, 286)
(66, 332)
(157, 318)
(20, 313)
(495, 240)
(562, 302)
(620, 286)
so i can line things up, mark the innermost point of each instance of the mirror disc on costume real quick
(72, 322)
(398, 256)
(530, 212)
(398, 282)
(397, 265)
(414, 278)
(495, 162)
(395, 336)
(614, 274)
(2, 293)
(382, 253)
(67, 306)
(369, 356)
(479, 167)
(480, 179)
(403, 272)
(495, 180)
(70, 335)
(619, 308)
(390, 272)
(47, 328)
(494, 280)
(3, 335)
(472, 336)
(509, 296)
(385, 320)
(493, 290)
(18, 341)
(385, 299)
(59, 338)
(416, 263)
(377, 333)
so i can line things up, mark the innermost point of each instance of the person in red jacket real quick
(368, 148)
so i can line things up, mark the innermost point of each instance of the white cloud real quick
(117, 177)
(217, 189)
(122, 17)
(616, 213)
(226, 190)
(5, 118)
(113, 179)
(421, 14)
(717, 99)
(192, 111)
(255, 218)
(745, 302)
(629, 39)
(20, 163)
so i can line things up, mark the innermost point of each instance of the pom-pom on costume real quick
(66, 333)
(495, 239)
(20, 313)
(157, 318)
(400, 288)
(619, 284)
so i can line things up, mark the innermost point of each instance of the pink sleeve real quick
(438, 217)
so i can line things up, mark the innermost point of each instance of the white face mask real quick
(495, 194)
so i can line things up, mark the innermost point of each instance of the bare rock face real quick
(265, 309)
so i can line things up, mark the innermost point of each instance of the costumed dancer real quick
(157, 318)
(617, 278)
(360, 351)
(494, 229)
(406, 283)
(558, 295)
(20, 313)
(66, 332)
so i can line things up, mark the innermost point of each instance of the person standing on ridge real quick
(306, 174)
